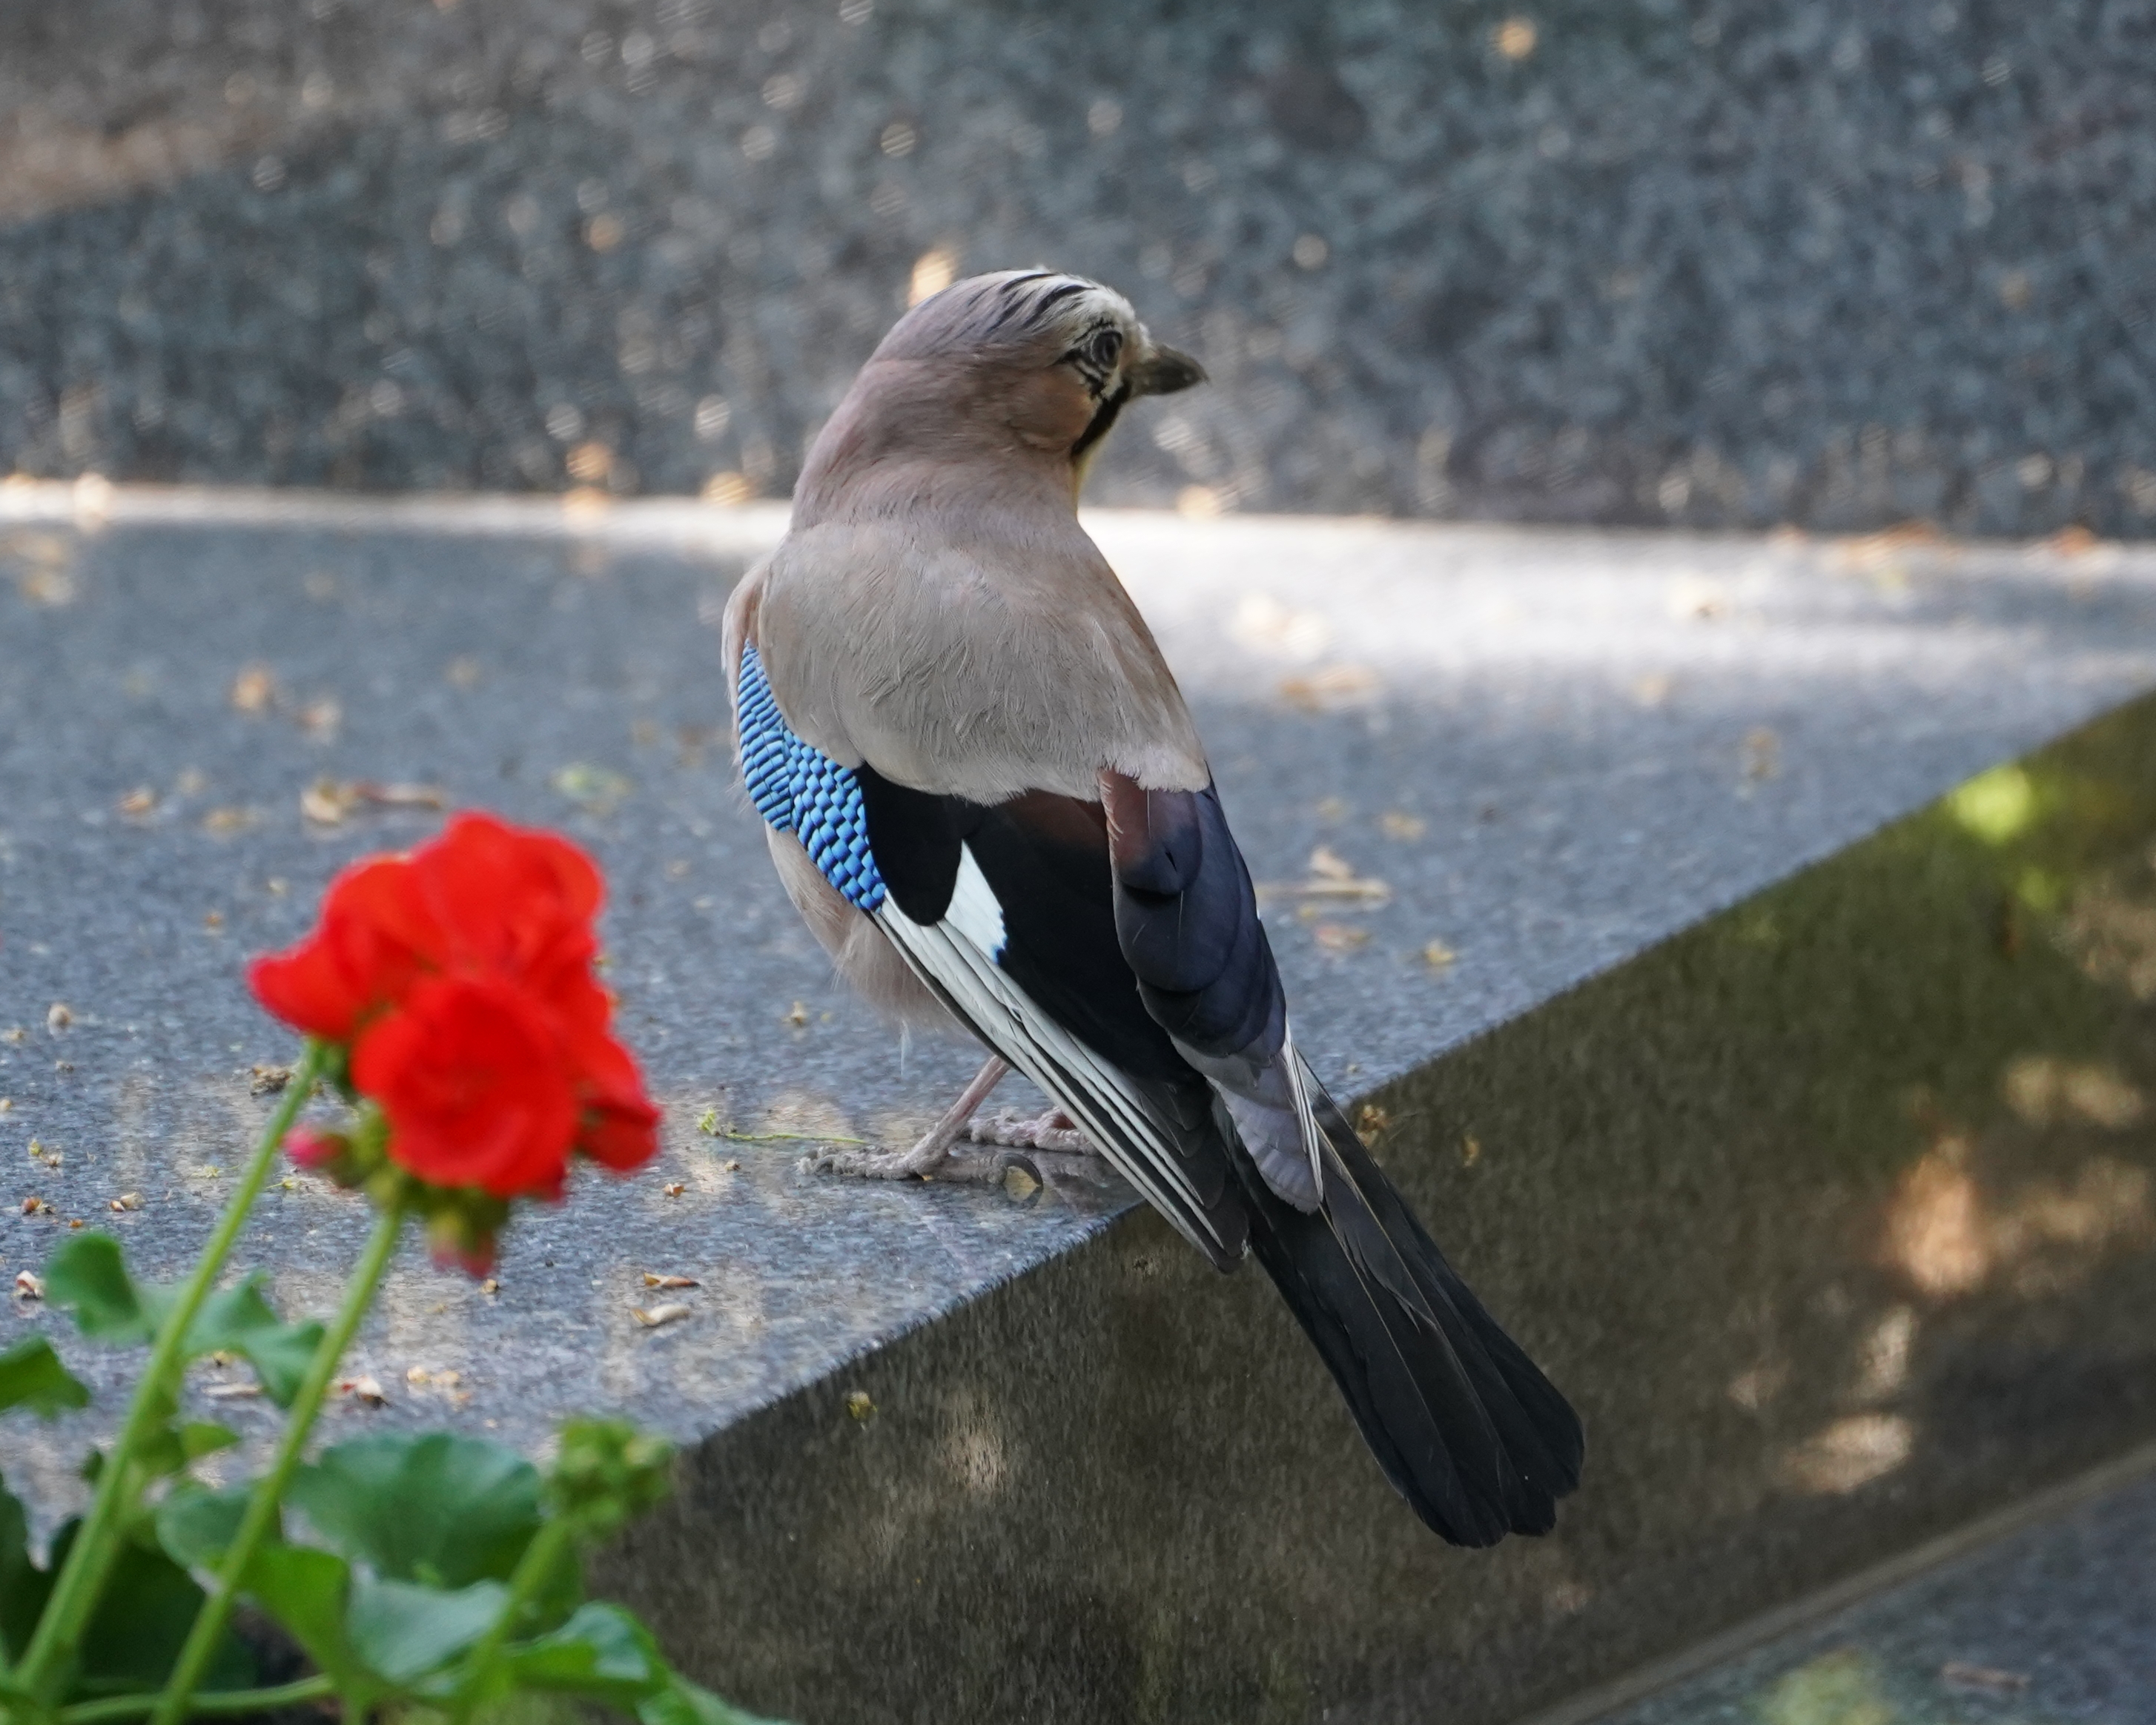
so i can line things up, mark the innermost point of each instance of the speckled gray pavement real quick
(1553, 749)
(2054, 1622)
(1834, 262)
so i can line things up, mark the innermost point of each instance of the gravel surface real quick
(1725, 262)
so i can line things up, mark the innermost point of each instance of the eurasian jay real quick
(985, 796)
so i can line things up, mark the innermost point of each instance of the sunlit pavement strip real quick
(2051, 1622)
(1527, 754)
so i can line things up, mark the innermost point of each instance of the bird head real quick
(1025, 362)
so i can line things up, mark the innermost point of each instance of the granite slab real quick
(1553, 749)
(1840, 263)
(1834, 1214)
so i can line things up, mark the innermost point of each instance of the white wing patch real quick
(956, 956)
(975, 911)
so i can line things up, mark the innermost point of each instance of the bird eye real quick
(1104, 348)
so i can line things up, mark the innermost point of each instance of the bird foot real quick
(1048, 1147)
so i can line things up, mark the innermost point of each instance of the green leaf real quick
(89, 1274)
(239, 1320)
(31, 1375)
(431, 1507)
(143, 1617)
(682, 1702)
(170, 1448)
(307, 1591)
(23, 1584)
(601, 1653)
(405, 1631)
(195, 1525)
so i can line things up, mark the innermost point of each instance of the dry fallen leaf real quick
(653, 1317)
(325, 802)
(128, 1201)
(1340, 936)
(1328, 863)
(268, 1080)
(36, 1207)
(1470, 1150)
(232, 1392)
(651, 1281)
(675, 1190)
(1763, 753)
(1332, 685)
(730, 1166)
(59, 1016)
(7, 1104)
(225, 822)
(328, 801)
(28, 1286)
(490, 1286)
(254, 689)
(859, 1405)
(1437, 955)
(13, 1033)
(141, 801)
(1371, 1119)
(363, 1389)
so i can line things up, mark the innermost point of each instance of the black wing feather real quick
(1135, 927)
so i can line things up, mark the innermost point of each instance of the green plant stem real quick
(82, 1578)
(219, 1703)
(173, 1706)
(541, 1559)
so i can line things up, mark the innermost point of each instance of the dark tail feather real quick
(1464, 1425)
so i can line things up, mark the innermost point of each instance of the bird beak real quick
(1164, 371)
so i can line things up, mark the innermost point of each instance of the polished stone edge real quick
(750, 529)
(1733, 1644)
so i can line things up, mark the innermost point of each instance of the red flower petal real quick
(471, 1075)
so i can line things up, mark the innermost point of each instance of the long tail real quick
(1464, 1424)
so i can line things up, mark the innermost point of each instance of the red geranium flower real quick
(459, 978)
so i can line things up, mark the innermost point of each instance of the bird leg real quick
(929, 1156)
(936, 1156)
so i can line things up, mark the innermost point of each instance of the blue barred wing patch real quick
(801, 790)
